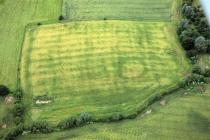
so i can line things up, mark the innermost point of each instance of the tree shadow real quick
(199, 122)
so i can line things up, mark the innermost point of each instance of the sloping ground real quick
(185, 117)
(15, 15)
(100, 67)
(117, 9)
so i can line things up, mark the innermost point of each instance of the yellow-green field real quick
(100, 67)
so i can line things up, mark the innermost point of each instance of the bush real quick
(18, 109)
(201, 44)
(116, 117)
(208, 48)
(188, 11)
(12, 134)
(192, 53)
(4, 90)
(207, 73)
(84, 118)
(40, 127)
(197, 70)
(18, 94)
(193, 79)
(188, 2)
(182, 26)
(187, 38)
(38, 24)
(68, 123)
(60, 18)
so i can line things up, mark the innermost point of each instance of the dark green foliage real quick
(68, 123)
(74, 122)
(187, 38)
(197, 70)
(207, 72)
(208, 48)
(188, 11)
(188, 2)
(193, 79)
(116, 117)
(39, 23)
(12, 134)
(4, 90)
(18, 112)
(182, 26)
(192, 53)
(18, 94)
(203, 28)
(40, 127)
(84, 118)
(193, 30)
(201, 44)
(61, 17)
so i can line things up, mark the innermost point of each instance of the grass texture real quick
(100, 67)
(117, 9)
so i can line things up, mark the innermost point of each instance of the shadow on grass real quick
(199, 122)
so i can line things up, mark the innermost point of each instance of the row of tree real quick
(193, 30)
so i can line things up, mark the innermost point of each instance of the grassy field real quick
(118, 9)
(15, 14)
(184, 117)
(100, 67)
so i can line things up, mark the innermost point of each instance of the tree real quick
(201, 44)
(4, 90)
(182, 26)
(188, 2)
(203, 28)
(188, 11)
(208, 48)
(187, 38)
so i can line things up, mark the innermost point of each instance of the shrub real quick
(40, 127)
(84, 118)
(201, 44)
(188, 2)
(192, 53)
(116, 117)
(68, 123)
(182, 26)
(18, 109)
(187, 38)
(207, 73)
(197, 70)
(188, 11)
(61, 17)
(4, 90)
(18, 94)
(193, 79)
(38, 24)
(208, 48)
(12, 134)
(203, 28)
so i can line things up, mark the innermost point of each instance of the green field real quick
(118, 9)
(184, 117)
(15, 15)
(100, 67)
